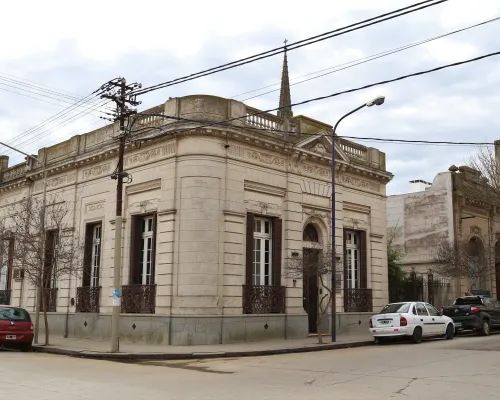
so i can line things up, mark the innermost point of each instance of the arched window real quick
(310, 234)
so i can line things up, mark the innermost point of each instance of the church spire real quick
(285, 98)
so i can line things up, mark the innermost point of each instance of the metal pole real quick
(42, 239)
(115, 318)
(334, 269)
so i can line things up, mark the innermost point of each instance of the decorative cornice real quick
(262, 188)
(144, 186)
(356, 207)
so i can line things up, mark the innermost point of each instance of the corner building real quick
(210, 217)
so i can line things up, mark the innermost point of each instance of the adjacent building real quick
(457, 207)
(211, 215)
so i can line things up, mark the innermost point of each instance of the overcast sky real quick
(73, 50)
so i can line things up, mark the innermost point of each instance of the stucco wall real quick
(420, 221)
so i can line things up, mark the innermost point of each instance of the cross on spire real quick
(286, 41)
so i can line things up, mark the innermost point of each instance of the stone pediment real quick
(322, 146)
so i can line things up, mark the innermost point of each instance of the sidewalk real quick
(85, 348)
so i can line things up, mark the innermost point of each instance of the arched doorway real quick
(310, 255)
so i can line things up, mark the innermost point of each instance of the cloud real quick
(79, 49)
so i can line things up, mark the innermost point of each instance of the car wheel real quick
(485, 328)
(379, 340)
(417, 335)
(25, 347)
(450, 332)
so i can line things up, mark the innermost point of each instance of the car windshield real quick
(13, 314)
(396, 308)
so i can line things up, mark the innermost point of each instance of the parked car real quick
(412, 319)
(16, 329)
(476, 313)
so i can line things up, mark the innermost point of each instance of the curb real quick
(190, 356)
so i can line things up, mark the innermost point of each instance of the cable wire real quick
(364, 60)
(304, 42)
(340, 93)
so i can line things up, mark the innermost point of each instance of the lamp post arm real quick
(346, 115)
(23, 153)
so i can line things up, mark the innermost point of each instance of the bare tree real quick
(486, 164)
(58, 256)
(463, 260)
(316, 262)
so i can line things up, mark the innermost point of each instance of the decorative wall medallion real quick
(52, 183)
(311, 212)
(96, 171)
(475, 230)
(92, 207)
(264, 158)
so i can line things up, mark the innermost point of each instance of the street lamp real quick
(42, 235)
(377, 101)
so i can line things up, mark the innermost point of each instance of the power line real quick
(305, 42)
(336, 94)
(38, 84)
(364, 60)
(60, 125)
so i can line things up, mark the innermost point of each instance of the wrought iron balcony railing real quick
(87, 299)
(51, 299)
(139, 299)
(358, 300)
(5, 297)
(263, 299)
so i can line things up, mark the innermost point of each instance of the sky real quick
(59, 53)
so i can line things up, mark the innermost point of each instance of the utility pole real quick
(118, 91)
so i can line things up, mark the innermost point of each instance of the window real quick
(352, 262)
(310, 234)
(14, 314)
(262, 252)
(50, 269)
(143, 249)
(146, 256)
(96, 255)
(4, 264)
(432, 310)
(396, 308)
(421, 310)
(414, 310)
(92, 255)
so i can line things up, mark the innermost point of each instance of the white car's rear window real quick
(396, 308)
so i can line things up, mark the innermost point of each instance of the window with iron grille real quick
(355, 274)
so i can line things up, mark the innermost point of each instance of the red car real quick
(16, 329)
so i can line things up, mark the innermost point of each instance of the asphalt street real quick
(463, 368)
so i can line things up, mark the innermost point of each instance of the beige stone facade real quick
(201, 186)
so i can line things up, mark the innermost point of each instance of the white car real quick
(412, 319)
